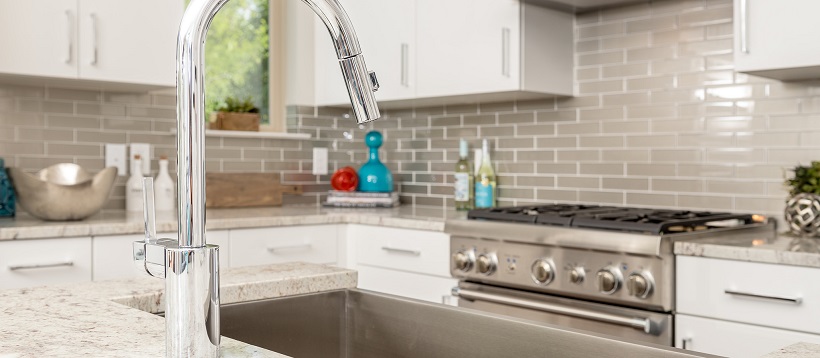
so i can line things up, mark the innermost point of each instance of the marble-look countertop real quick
(797, 350)
(782, 249)
(123, 223)
(114, 318)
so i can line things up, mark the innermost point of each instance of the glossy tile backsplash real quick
(660, 119)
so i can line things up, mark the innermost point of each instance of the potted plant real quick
(803, 207)
(236, 115)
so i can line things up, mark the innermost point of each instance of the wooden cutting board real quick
(242, 190)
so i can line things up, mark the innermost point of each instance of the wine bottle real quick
(463, 179)
(485, 195)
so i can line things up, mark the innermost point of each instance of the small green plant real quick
(238, 106)
(806, 179)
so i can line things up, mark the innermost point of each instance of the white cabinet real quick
(406, 284)
(262, 246)
(777, 39)
(27, 263)
(732, 339)
(99, 41)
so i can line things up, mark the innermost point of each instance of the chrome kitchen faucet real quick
(189, 266)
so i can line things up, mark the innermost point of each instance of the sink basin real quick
(362, 324)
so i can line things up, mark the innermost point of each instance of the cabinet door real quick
(733, 339)
(129, 41)
(424, 252)
(39, 37)
(264, 246)
(26, 263)
(405, 284)
(387, 37)
(778, 35)
(467, 46)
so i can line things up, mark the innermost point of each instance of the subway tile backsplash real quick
(660, 119)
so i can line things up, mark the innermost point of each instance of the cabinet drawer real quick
(405, 284)
(314, 244)
(44, 262)
(733, 339)
(426, 252)
(764, 294)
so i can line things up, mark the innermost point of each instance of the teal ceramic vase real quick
(374, 177)
(6, 193)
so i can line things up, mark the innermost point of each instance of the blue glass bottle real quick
(6, 192)
(374, 176)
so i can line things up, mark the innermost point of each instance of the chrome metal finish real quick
(93, 38)
(486, 263)
(190, 266)
(577, 275)
(505, 52)
(543, 271)
(374, 81)
(609, 280)
(39, 266)
(63, 191)
(405, 65)
(273, 249)
(794, 300)
(640, 284)
(744, 26)
(70, 35)
(464, 260)
(401, 251)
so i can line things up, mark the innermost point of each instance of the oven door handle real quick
(644, 324)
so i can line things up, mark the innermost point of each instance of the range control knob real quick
(609, 280)
(543, 271)
(577, 275)
(640, 284)
(486, 263)
(463, 260)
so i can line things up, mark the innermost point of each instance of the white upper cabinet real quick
(777, 39)
(114, 43)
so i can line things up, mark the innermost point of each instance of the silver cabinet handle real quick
(644, 324)
(401, 251)
(38, 266)
(405, 64)
(93, 38)
(794, 300)
(744, 26)
(505, 52)
(686, 343)
(290, 247)
(70, 32)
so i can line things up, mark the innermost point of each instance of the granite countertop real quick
(797, 350)
(123, 223)
(114, 318)
(783, 249)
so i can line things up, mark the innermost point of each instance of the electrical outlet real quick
(115, 157)
(144, 150)
(319, 161)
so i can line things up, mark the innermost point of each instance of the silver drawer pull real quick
(292, 247)
(39, 266)
(401, 251)
(794, 300)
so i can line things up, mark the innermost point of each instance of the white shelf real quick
(248, 134)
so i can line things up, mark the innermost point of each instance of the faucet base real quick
(192, 301)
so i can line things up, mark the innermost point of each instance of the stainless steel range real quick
(599, 268)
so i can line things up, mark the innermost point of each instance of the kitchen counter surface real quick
(782, 250)
(114, 318)
(797, 350)
(123, 223)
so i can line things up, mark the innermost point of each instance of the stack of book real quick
(352, 199)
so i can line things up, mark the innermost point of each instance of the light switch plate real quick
(144, 150)
(319, 161)
(115, 157)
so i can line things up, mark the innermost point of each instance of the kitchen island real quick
(117, 318)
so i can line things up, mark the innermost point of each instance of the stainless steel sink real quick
(363, 324)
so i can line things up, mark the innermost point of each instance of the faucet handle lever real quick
(148, 210)
(374, 81)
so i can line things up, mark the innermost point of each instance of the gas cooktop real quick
(641, 220)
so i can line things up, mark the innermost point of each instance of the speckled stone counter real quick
(122, 223)
(114, 318)
(782, 250)
(797, 350)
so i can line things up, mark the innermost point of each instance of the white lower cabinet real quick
(262, 246)
(27, 263)
(733, 339)
(406, 284)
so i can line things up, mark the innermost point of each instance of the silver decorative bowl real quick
(62, 191)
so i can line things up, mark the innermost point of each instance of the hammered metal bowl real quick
(803, 214)
(62, 191)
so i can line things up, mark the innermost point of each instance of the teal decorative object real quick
(6, 192)
(374, 176)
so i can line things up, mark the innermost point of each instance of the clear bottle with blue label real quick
(6, 192)
(485, 184)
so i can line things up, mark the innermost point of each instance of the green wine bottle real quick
(485, 194)
(463, 179)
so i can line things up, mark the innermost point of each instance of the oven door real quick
(626, 323)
